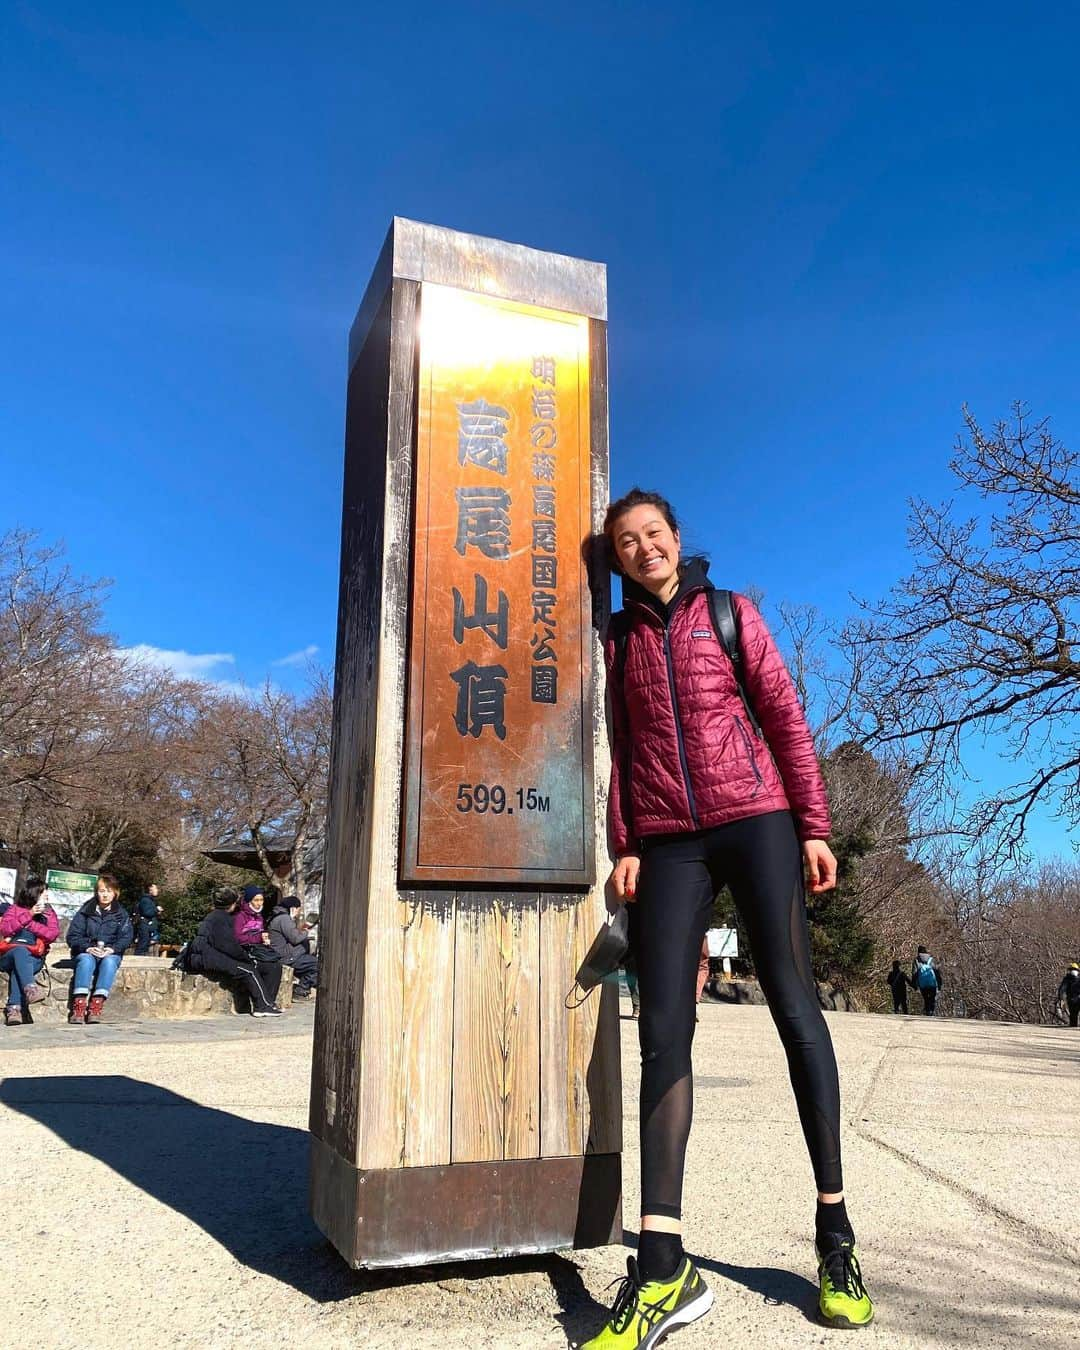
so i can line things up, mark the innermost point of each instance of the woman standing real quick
(710, 788)
(98, 935)
(27, 927)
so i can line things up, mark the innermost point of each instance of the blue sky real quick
(826, 228)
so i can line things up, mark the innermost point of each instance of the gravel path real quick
(163, 1175)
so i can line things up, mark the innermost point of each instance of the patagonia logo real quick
(702, 632)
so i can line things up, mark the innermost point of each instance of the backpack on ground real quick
(726, 627)
(186, 959)
(926, 976)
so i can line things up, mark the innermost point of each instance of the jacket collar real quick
(91, 908)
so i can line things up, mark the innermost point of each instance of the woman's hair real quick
(30, 893)
(225, 898)
(110, 881)
(635, 497)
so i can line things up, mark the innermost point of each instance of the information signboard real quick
(498, 783)
(69, 890)
(722, 942)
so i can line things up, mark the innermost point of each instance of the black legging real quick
(761, 860)
(259, 981)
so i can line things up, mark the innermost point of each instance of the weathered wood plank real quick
(557, 1111)
(335, 1094)
(477, 1107)
(382, 1093)
(603, 1077)
(603, 1072)
(520, 915)
(429, 1026)
(586, 918)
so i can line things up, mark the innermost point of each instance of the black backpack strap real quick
(722, 609)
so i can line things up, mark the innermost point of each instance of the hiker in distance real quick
(714, 780)
(926, 978)
(1069, 993)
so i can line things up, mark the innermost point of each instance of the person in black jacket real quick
(1069, 993)
(215, 951)
(99, 934)
(147, 914)
(898, 981)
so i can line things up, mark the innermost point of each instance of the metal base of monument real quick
(412, 1216)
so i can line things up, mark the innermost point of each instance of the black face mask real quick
(605, 956)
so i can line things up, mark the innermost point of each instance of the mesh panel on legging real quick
(667, 942)
(765, 872)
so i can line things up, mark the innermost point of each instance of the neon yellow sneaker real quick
(643, 1314)
(843, 1301)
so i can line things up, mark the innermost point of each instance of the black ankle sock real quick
(832, 1218)
(658, 1254)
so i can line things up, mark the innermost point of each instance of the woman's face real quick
(105, 895)
(256, 903)
(648, 549)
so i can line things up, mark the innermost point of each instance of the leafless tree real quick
(258, 772)
(981, 639)
(881, 809)
(1005, 938)
(84, 733)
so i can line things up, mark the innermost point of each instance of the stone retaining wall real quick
(146, 986)
(749, 991)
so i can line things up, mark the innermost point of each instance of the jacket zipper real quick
(678, 727)
(749, 746)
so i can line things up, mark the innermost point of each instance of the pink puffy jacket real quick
(684, 756)
(15, 918)
(248, 926)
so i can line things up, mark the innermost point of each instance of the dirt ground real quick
(157, 1179)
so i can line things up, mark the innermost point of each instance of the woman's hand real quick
(266, 939)
(820, 865)
(624, 877)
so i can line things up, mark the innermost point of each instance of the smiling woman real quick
(714, 782)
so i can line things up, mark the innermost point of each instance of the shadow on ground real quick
(245, 1184)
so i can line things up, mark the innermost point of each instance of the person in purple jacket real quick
(27, 927)
(249, 926)
(714, 781)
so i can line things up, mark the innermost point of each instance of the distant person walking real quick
(1069, 993)
(147, 915)
(27, 927)
(98, 935)
(898, 982)
(926, 978)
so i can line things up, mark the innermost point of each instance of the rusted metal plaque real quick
(496, 777)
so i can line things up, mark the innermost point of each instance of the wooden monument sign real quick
(462, 1104)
